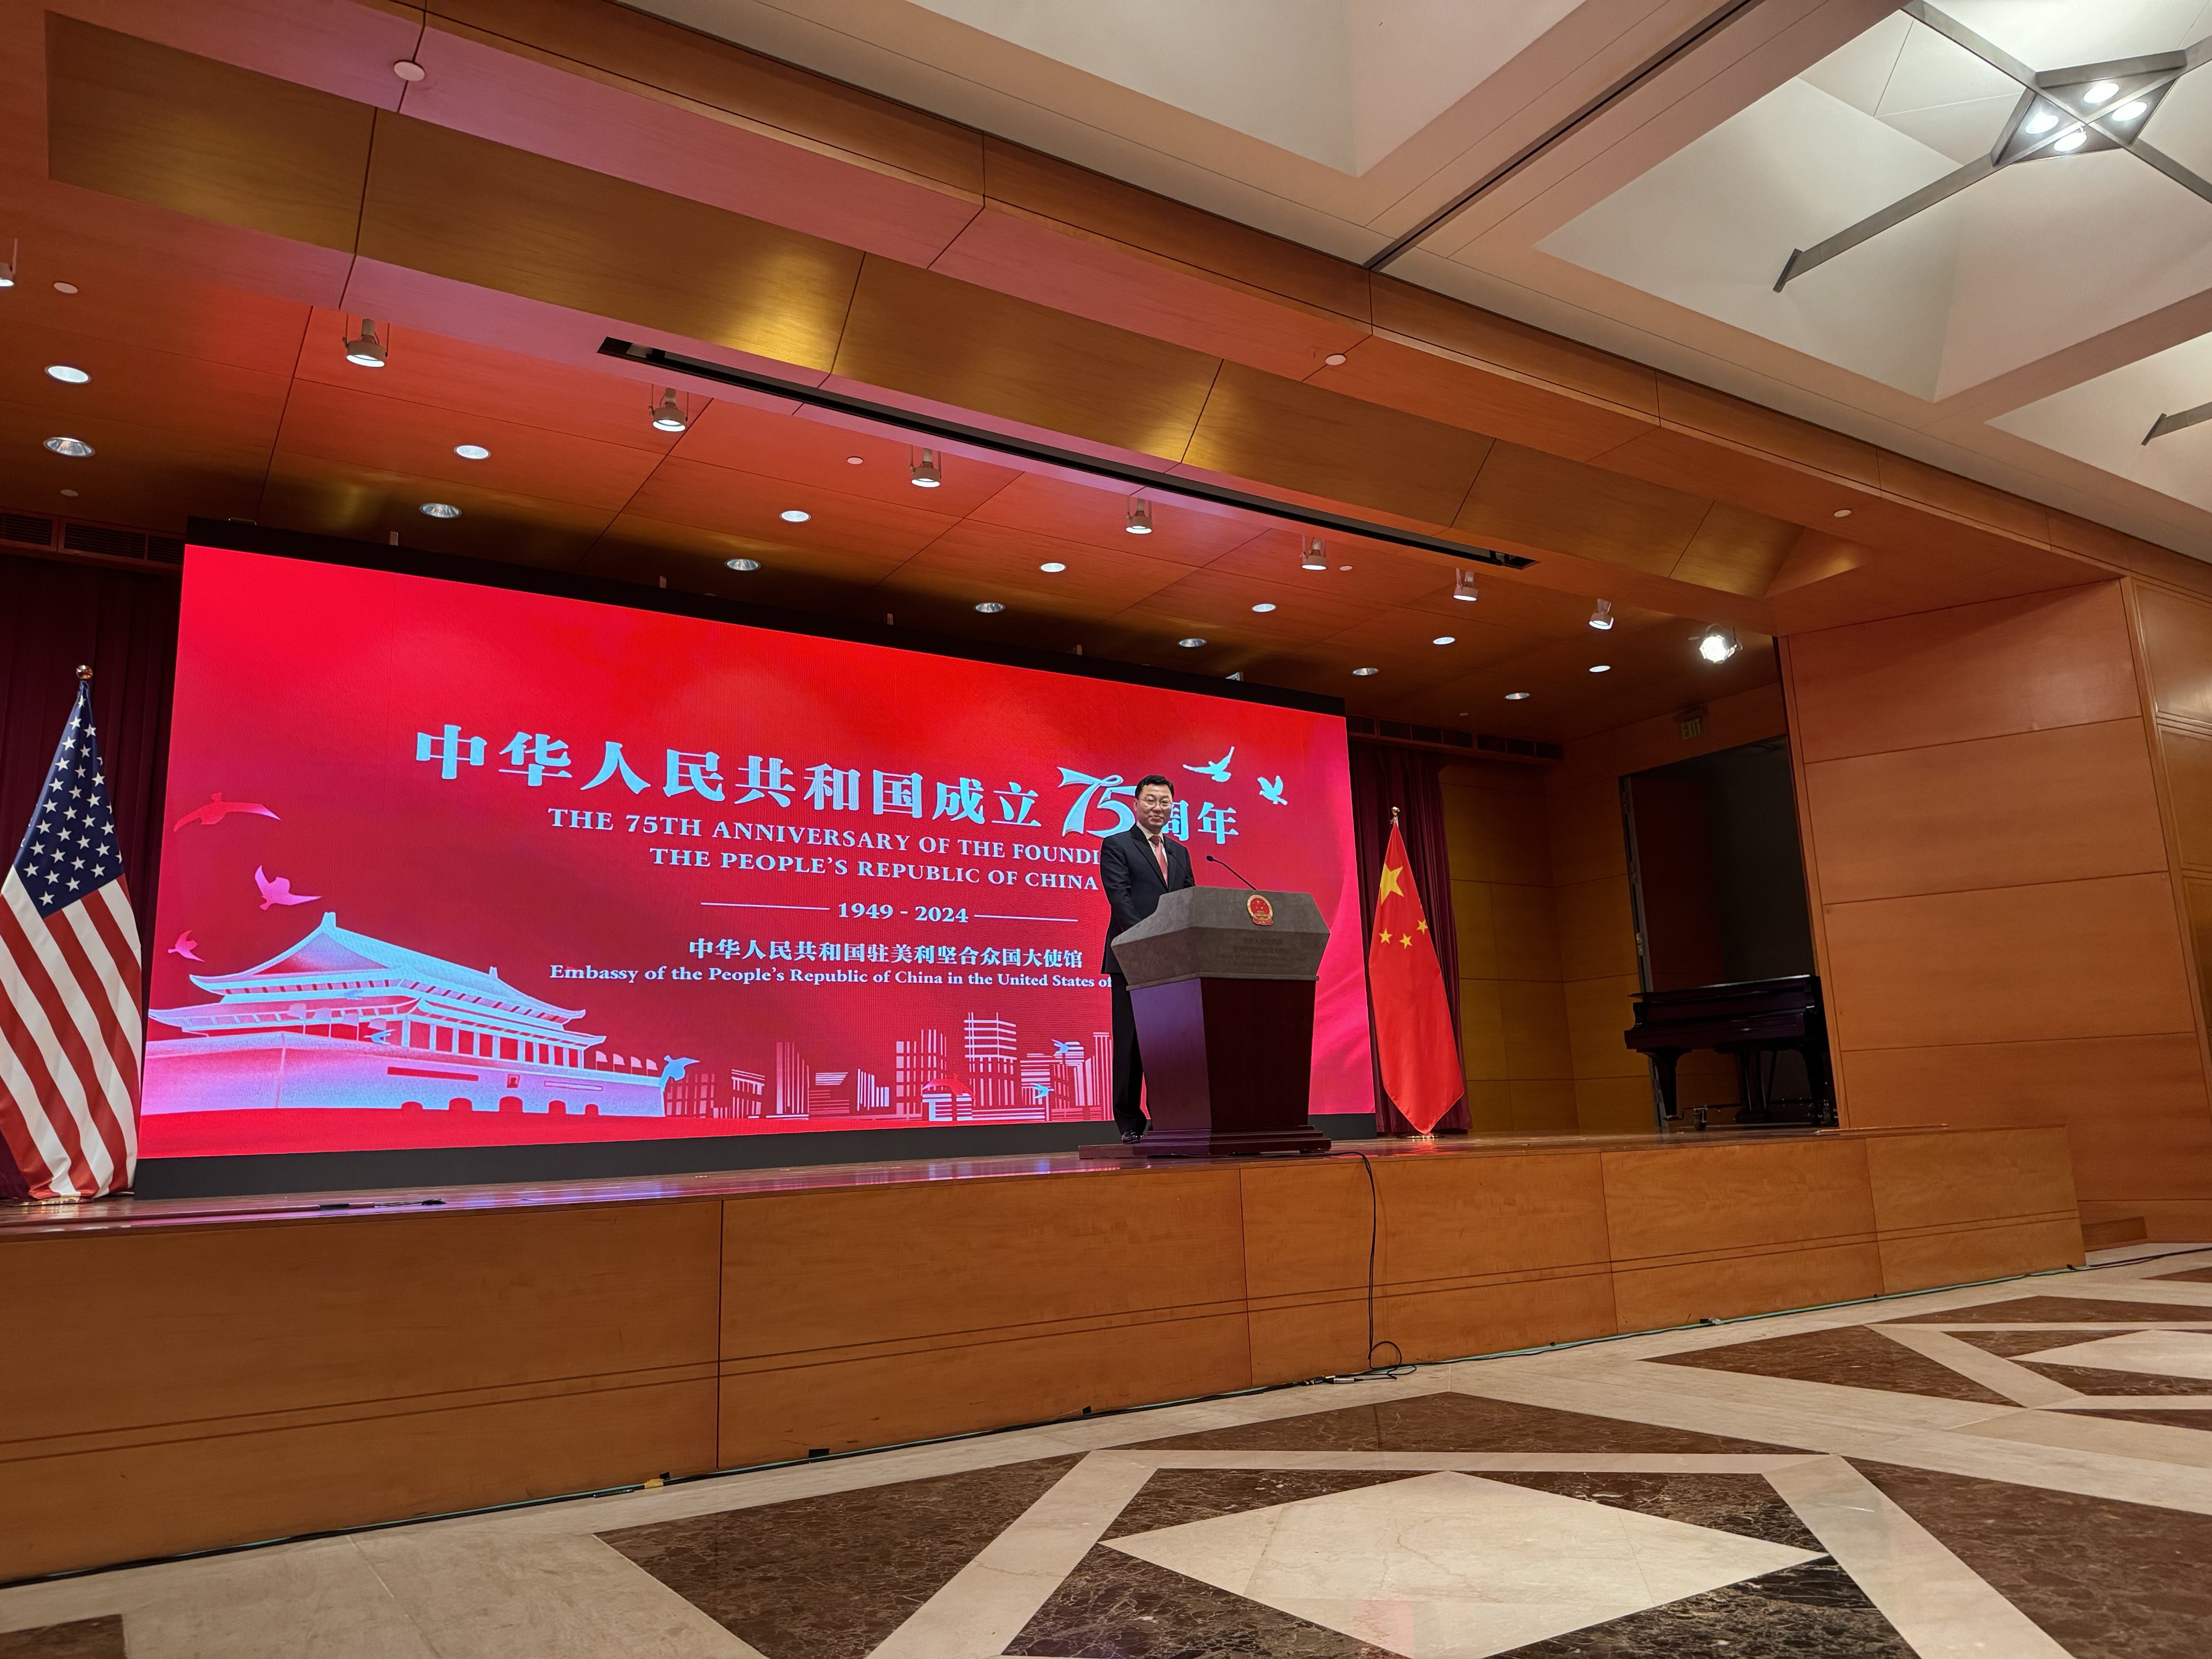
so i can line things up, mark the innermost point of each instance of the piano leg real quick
(1662, 1068)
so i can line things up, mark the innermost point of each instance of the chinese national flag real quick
(1412, 1019)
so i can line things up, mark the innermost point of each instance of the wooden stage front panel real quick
(188, 1375)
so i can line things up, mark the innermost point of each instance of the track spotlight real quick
(1463, 585)
(365, 350)
(669, 416)
(1602, 618)
(74, 448)
(742, 564)
(1141, 517)
(8, 266)
(441, 509)
(1317, 554)
(1718, 643)
(926, 471)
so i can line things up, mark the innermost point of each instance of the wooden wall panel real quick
(336, 1372)
(2000, 923)
(2177, 651)
(1976, 670)
(2079, 958)
(2186, 754)
(1953, 816)
(267, 1319)
(159, 126)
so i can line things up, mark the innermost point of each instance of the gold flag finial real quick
(1394, 817)
(83, 671)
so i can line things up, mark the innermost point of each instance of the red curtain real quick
(1384, 776)
(122, 625)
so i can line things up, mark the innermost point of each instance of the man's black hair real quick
(1154, 777)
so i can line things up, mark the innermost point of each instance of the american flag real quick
(71, 1019)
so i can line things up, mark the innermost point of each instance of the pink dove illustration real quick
(187, 946)
(218, 809)
(279, 891)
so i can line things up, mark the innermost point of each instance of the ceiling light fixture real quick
(408, 70)
(1601, 668)
(1841, 512)
(1141, 517)
(2133, 110)
(1602, 618)
(1518, 696)
(990, 607)
(7, 265)
(742, 564)
(1264, 607)
(64, 287)
(2098, 91)
(1316, 557)
(794, 515)
(2071, 142)
(76, 448)
(1334, 360)
(441, 509)
(1445, 639)
(67, 374)
(365, 350)
(70, 493)
(853, 461)
(1463, 585)
(472, 452)
(1364, 673)
(2043, 118)
(1191, 642)
(668, 416)
(1718, 643)
(1052, 567)
(926, 471)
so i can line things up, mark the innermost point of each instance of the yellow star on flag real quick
(1406, 939)
(1390, 882)
(1420, 926)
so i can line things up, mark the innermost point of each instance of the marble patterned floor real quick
(2018, 1471)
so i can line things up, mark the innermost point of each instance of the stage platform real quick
(193, 1373)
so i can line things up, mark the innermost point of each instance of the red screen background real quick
(310, 690)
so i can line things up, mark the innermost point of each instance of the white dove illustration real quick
(1271, 790)
(1217, 770)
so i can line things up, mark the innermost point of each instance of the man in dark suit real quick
(1137, 867)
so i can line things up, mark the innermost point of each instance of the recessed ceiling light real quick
(64, 287)
(1518, 696)
(1445, 639)
(1052, 567)
(66, 374)
(441, 509)
(1344, 566)
(408, 70)
(990, 607)
(742, 564)
(1842, 512)
(1141, 517)
(1601, 617)
(853, 461)
(1190, 643)
(794, 515)
(926, 471)
(2072, 141)
(76, 448)
(1463, 585)
(2040, 121)
(1316, 556)
(2098, 91)
(1264, 606)
(365, 350)
(2133, 110)
(1717, 643)
(69, 492)
(1601, 668)
(668, 416)
(472, 452)
(1334, 360)
(1364, 673)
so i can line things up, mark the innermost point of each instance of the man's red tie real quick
(1160, 852)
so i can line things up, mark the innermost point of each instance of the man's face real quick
(1154, 802)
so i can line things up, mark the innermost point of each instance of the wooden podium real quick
(1222, 980)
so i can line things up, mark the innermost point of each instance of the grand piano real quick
(1753, 1021)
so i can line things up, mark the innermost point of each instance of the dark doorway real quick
(1719, 885)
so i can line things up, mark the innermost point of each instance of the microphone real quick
(1210, 859)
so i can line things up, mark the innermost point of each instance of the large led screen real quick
(447, 865)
